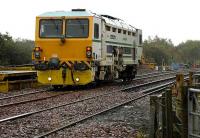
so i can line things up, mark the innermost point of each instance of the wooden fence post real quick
(164, 115)
(181, 104)
(153, 116)
(169, 113)
(190, 78)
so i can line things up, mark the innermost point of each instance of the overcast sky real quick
(178, 20)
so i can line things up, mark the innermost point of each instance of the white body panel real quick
(102, 47)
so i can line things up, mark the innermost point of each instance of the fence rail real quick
(193, 113)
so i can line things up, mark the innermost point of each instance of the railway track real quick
(25, 94)
(119, 95)
(43, 94)
(18, 97)
(151, 75)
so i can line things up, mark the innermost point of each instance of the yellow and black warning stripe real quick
(70, 64)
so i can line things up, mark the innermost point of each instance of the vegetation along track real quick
(70, 112)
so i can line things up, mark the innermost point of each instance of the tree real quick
(189, 51)
(15, 52)
(163, 49)
(159, 49)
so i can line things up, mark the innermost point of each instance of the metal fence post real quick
(190, 119)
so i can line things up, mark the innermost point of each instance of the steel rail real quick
(146, 74)
(14, 96)
(33, 100)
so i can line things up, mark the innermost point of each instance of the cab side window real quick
(96, 31)
(140, 39)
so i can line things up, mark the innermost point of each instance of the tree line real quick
(162, 50)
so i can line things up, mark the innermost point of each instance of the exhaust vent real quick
(78, 10)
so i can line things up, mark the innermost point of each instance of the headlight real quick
(77, 79)
(49, 78)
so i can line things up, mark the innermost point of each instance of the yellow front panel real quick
(85, 77)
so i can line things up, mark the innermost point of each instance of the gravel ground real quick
(69, 113)
(125, 121)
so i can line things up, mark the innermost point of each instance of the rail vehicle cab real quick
(75, 48)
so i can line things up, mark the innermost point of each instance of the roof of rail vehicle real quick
(66, 13)
(108, 19)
